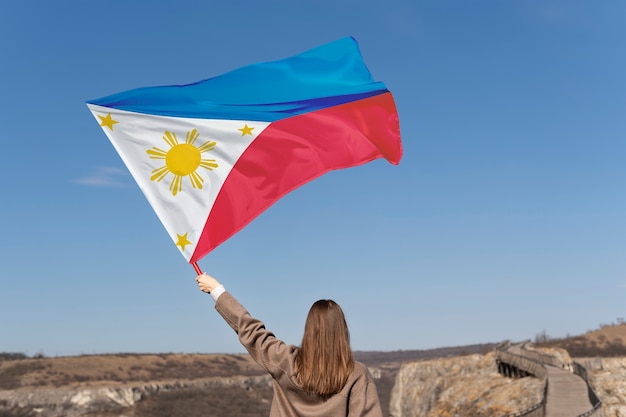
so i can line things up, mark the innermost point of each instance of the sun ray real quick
(171, 139)
(192, 136)
(159, 173)
(209, 164)
(196, 180)
(156, 153)
(207, 146)
(176, 185)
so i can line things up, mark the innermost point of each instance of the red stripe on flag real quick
(296, 150)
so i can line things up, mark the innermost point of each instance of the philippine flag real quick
(213, 155)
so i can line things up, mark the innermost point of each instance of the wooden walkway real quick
(567, 394)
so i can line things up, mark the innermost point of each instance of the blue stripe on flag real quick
(326, 76)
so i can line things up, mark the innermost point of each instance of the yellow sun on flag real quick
(182, 160)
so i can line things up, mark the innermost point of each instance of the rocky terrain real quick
(134, 385)
(164, 398)
(608, 377)
(461, 386)
(446, 382)
(470, 386)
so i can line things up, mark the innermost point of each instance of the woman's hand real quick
(206, 282)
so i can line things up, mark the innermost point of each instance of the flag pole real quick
(197, 268)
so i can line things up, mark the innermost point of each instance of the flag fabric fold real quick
(213, 155)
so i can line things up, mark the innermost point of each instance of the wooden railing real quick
(531, 366)
(581, 371)
(544, 358)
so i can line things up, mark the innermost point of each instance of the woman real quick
(319, 378)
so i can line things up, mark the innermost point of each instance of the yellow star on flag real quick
(107, 121)
(246, 130)
(182, 241)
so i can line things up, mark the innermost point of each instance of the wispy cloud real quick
(105, 177)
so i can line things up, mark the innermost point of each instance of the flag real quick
(212, 155)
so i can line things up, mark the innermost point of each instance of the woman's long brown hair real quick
(324, 362)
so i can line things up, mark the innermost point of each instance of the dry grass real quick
(608, 341)
(88, 370)
(220, 401)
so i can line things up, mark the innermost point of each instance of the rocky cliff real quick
(461, 386)
(608, 378)
(109, 400)
(470, 387)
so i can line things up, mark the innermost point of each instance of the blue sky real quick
(506, 216)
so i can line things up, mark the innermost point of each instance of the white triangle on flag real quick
(182, 151)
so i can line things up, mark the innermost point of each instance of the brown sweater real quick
(358, 398)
